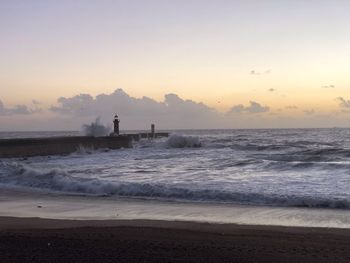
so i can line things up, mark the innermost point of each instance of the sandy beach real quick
(41, 227)
(48, 240)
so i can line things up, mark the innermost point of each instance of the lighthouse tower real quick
(116, 125)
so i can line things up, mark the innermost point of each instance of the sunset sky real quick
(251, 64)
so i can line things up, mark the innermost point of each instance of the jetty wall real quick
(147, 135)
(27, 147)
(10, 148)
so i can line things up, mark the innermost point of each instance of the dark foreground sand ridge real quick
(37, 240)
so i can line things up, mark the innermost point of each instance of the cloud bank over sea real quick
(173, 112)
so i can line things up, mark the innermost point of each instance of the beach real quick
(50, 228)
(48, 240)
(206, 196)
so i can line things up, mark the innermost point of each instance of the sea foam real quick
(95, 129)
(182, 141)
(59, 180)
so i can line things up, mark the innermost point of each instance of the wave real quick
(306, 165)
(51, 179)
(182, 141)
(14, 174)
(308, 155)
(173, 141)
(257, 147)
(95, 129)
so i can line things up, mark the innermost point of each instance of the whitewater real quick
(307, 168)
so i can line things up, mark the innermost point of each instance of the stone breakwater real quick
(10, 148)
(27, 147)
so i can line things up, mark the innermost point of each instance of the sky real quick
(180, 64)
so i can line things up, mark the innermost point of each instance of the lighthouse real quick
(116, 125)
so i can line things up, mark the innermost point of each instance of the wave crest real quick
(182, 141)
(95, 129)
(58, 180)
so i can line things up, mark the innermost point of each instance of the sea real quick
(261, 168)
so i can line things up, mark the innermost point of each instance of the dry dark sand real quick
(44, 240)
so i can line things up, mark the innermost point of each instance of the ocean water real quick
(277, 168)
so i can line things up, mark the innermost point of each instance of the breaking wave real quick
(14, 174)
(181, 141)
(96, 129)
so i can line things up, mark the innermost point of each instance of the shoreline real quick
(28, 204)
(23, 223)
(54, 240)
(48, 227)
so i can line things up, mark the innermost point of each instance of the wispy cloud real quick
(331, 86)
(309, 112)
(255, 72)
(343, 103)
(291, 107)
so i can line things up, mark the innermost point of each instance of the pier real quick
(28, 147)
(145, 135)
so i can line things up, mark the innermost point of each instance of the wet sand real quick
(50, 240)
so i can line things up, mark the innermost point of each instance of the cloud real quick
(35, 102)
(328, 86)
(3, 110)
(77, 105)
(20, 109)
(254, 72)
(343, 103)
(173, 111)
(253, 108)
(17, 110)
(237, 109)
(271, 90)
(309, 112)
